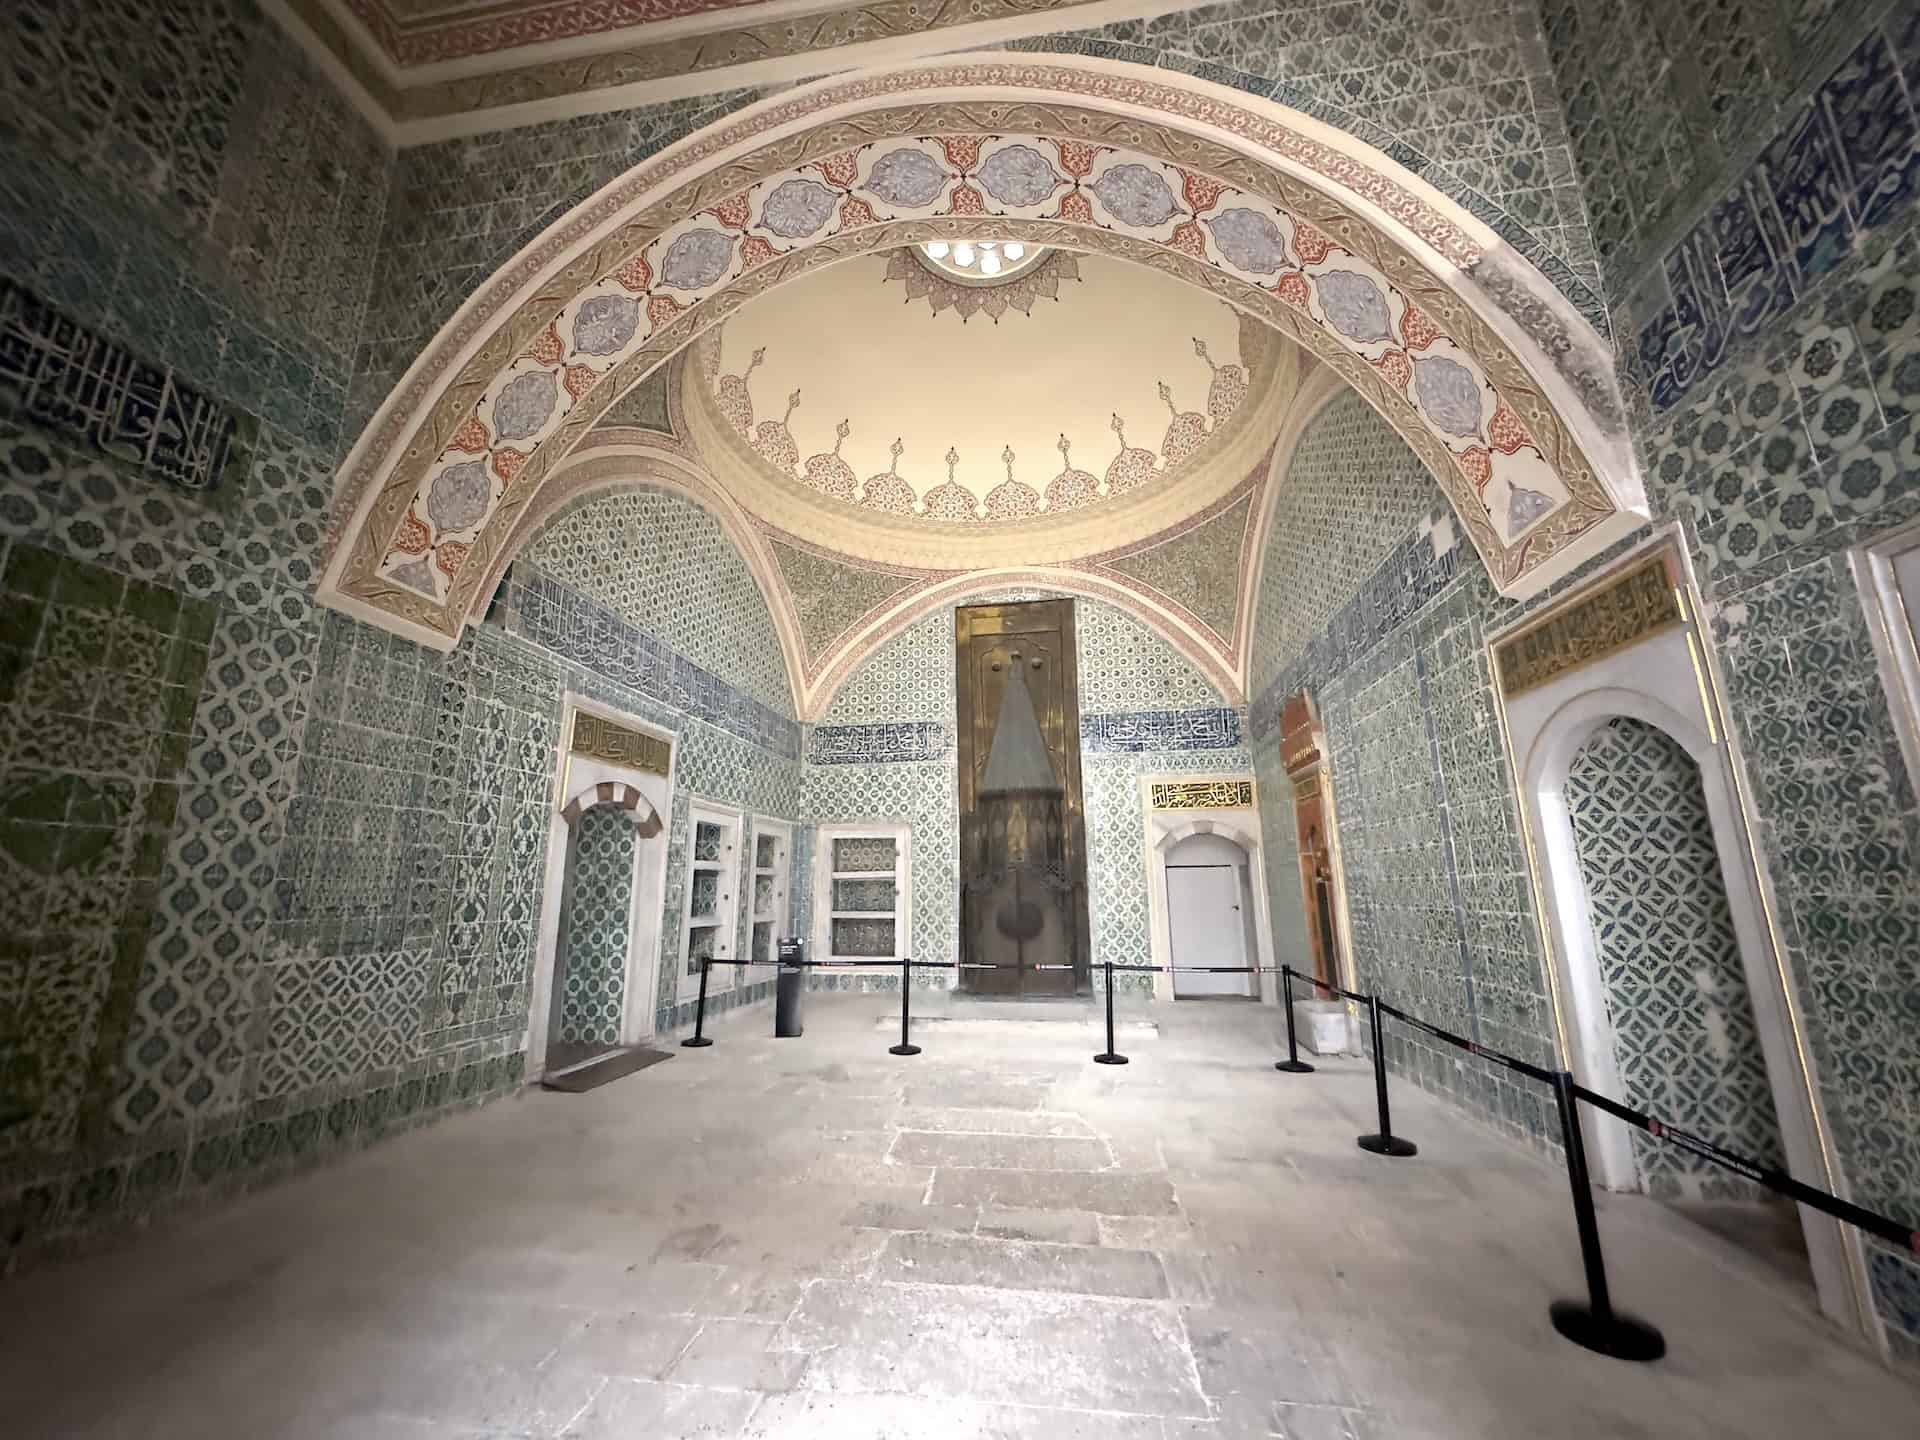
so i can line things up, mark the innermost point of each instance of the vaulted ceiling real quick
(888, 440)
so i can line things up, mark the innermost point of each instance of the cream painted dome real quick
(878, 409)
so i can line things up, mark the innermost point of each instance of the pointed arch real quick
(1078, 583)
(622, 459)
(1338, 247)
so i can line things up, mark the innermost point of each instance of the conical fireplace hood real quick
(1019, 758)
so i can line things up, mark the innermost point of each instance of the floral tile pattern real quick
(197, 190)
(1843, 161)
(97, 682)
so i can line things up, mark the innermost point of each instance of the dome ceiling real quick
(881, 410)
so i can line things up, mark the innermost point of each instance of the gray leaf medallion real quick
(797, 208)
(458, 497)
(524, 405)
(1355, 307)
(1449, 394)
(1250, 241)
(1524, 506)
(1018, 175)
(909, 178)
(604, 324)
(696, 260)
(1135, 195)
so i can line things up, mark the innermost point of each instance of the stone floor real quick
(812, 1238)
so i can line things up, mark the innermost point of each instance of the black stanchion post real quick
(1594, 1324)
(1109, 1056)
(1386, 1142)
(1293, 1064)
(906, 1046)
(698, 1039)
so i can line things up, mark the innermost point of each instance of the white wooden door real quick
(1206, 927)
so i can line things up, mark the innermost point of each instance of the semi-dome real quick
(882, 408)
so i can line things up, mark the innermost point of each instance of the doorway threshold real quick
(602, 1069)
(1075, 1008)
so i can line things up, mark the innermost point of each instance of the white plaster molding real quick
(1319, 388)
(1078, 583)
(620, 459)
(1887, 570)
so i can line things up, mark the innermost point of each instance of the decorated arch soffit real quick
(1326, 240)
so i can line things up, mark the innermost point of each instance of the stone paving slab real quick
(941, 1342)
(1022, 1265)
(728, 1247)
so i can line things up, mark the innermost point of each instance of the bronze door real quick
(1316, 877)
(1001, 912)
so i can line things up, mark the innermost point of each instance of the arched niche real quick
(641, 800)
(1345, 252)
(1659, 678)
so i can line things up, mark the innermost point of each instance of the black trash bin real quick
(789, 985)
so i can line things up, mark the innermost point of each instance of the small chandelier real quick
(982, 262)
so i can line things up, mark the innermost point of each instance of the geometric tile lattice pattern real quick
(593, 984)
(1677, 995)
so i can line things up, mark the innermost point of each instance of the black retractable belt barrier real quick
(1293, 1064)
(698, 1039)
(1385, 1142)
(906, 1045)
(1109, 1056)
(1594, 1324)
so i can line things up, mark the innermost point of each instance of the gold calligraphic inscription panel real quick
(1640, 601)
(1203, 795)
(603, 740)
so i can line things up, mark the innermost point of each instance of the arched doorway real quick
(1210, 917)
(595, 970)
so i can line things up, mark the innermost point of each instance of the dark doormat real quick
(596, 1073)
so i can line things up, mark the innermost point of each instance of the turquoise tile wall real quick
(459, 210)
(1798, 450)
(1757, 202)
(1666, 103)
(1382, 615)
(256, 1008)
(675, 632)
(1461, 93)
(662, 563)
